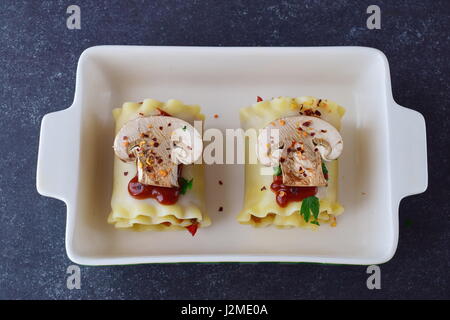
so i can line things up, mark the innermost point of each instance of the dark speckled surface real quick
(38, 57)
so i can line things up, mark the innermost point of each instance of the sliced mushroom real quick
(298, 144)
(158, 144)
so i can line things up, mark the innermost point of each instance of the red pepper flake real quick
(220, 209)
(216, 116)
(141, 114)
(323, 131)
(169, 124)
(317, 113)
(312, 134)
(156, 144)
(163, 113)
(259, 99)
(125, 173)
(125, 138)
(160, 128)
(282, 160)
(307, 123)
(192, 228)
(220, 182)
(309, 112)
(263, 188)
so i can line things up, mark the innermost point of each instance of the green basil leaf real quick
(314, 205)
(185, 185)
(277, 171)
(305, 210)
(310, 205)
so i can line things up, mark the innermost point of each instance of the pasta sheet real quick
(260, 206)
(148, 214)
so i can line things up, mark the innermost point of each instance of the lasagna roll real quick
(157, 185)
(294, 183)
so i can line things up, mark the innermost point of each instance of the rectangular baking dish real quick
(384, 159)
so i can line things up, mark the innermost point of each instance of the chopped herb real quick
(185, 185)
(315, 222)
(324, 169)
(277, 171)
(184, 128)
(310, 205)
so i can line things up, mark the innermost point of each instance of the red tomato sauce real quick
(163, 195)
(286, 194)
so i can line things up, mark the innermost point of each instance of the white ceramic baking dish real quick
(385, 157)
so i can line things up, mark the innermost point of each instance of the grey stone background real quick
(38, 57)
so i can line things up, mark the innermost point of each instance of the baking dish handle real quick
(408, 152)
(57, 158)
